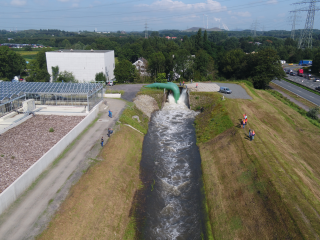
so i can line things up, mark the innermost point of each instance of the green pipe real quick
(171, 86)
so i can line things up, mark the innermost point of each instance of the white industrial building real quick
(84, 64)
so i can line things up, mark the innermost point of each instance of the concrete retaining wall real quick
(112, 95)
(9, 195)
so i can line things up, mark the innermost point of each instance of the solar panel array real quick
(11, 90)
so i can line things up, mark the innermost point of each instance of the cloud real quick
(240, 14)
(18, 2)
(272, 1)
(179, 5)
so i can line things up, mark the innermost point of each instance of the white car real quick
(316, 80)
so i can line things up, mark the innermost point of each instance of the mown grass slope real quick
(268, 188)
(98, 206)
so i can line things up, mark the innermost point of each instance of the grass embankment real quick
(267, 188)
(115, 91)
(294, 96)
(157, 94)
(98, 206)
(131, 111)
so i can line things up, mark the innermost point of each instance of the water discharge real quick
(170, 155)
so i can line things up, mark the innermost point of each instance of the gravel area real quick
(146, 104)
(23, 145)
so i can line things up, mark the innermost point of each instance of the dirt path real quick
(31, 213)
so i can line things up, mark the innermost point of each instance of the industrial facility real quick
(12, 94)
(84, 64)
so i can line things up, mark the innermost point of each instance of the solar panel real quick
(11, 89)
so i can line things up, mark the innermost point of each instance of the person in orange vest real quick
(246, 120)
(197, 85)
(245, 116)
(183, 83)
(252, 134)
(243, 123)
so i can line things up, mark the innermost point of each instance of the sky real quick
(129, 15)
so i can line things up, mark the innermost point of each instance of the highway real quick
(314, 98)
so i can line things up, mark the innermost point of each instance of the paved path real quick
(237, 91)
(314, 98)
(29, 216)
(130, 90)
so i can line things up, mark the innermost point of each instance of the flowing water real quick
(174, 206)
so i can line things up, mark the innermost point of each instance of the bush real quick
(313, 113)
(51, 130)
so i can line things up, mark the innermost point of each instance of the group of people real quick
(110, 131)
(244, 123)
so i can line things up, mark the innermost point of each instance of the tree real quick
(27, 48)
(182, 62)
(125, 71)
(232, 64)
(100, 77)
(156, 63)
(199, 40)
(161, 78)
(55, 73)
(265, 66)
(316, 63)
(38, 68)
(66, 76)
(11, 63)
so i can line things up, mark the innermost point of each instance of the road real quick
(130, 90)
(301, 80)
(28, 217)
(314, 98)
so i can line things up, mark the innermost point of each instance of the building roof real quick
(82, 51)
(9, 90)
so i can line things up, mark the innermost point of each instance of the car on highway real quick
(316, 80)
(225, 90)
(317, 88)
(293, 73)
(287, 71)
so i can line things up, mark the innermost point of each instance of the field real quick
(28, 55)
(267, 188)
(99, 205)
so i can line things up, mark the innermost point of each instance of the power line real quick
(305, 40)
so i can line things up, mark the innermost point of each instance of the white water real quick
(177, 212)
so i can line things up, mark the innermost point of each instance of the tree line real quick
(202, 56)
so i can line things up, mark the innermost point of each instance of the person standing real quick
(191, 81)
(197, 85)
(183, 83)
(253, 134)
(102, 142)
(243, 123)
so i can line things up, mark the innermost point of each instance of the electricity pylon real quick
(305, 40)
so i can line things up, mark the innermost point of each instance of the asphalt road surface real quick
(314, 98)
(237, 91)
(301, 80)
(130, 90)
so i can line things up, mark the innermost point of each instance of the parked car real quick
(110, 83)
(225, 90)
